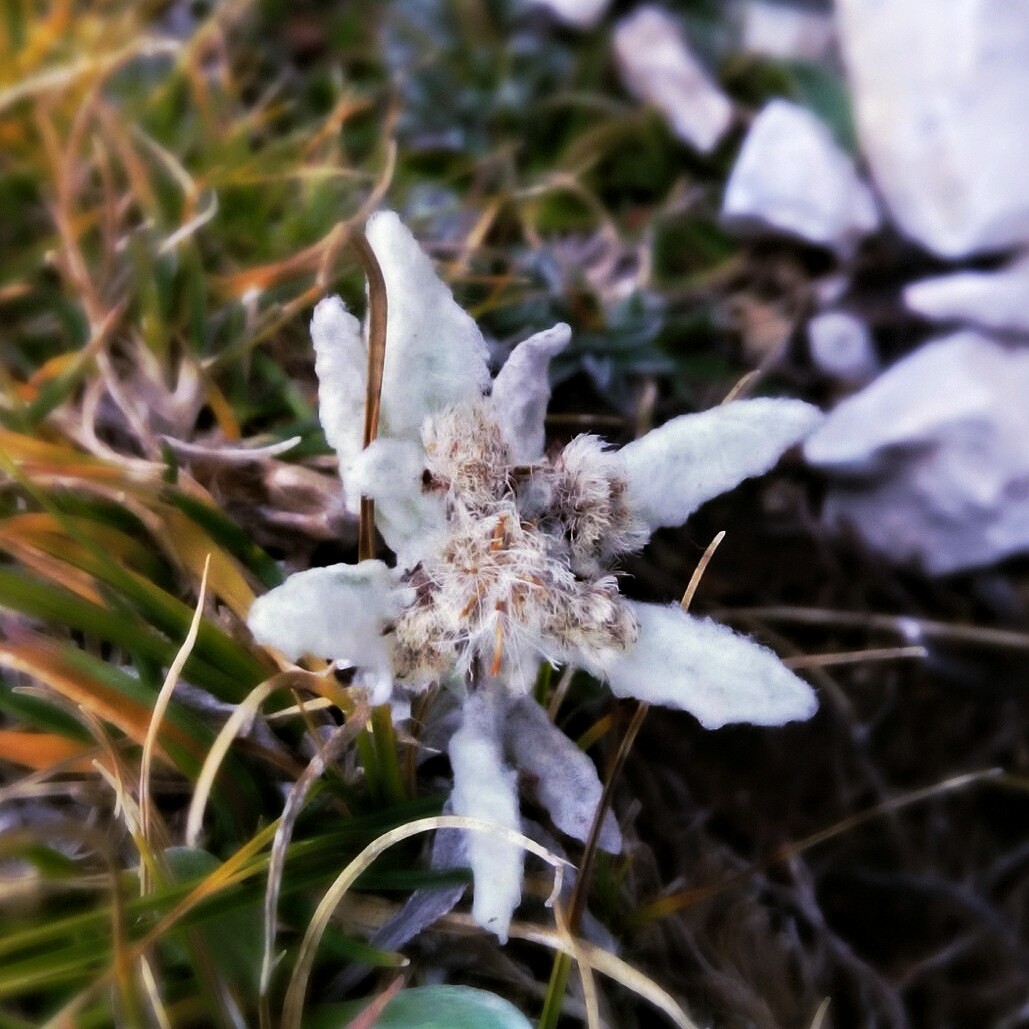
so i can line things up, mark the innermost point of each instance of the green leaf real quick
(429, 1007)
(233, 937)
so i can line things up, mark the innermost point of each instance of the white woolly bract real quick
(563, 777)
(485, 787)
(410, 518)
(677, 467)
(699, 666)
(341, 363)
(338, 613)
(521, 392)
(435, 354)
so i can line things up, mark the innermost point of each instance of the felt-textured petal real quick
(337, 613)
(435, 353)
(341, 361)
(675, 468)
(487, 788)
(697, 665)
(521, 391)
(564, 778)
(411, 519)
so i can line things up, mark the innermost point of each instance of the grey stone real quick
(658, 67)
(929, 463)
(940, 101)
(997, 300)
(792, 177)
(841, 346)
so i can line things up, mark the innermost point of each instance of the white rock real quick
(583, 14)
(940, 93)
(932, 461)
(792, 177)
(787, 32)
(996, 300)
(841, 346)
(658, 67)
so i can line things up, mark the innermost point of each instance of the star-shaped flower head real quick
(504, 554)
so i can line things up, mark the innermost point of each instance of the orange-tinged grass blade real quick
(54, 569)
(50, 663)
(369, 1016)
(192, 546)
(82, 69)
(222, 409)
(263, 277)
(43, 37)
(345, 109)
(54, 368)
(236, 869)
(43, 751)
(51, 464)
(43, 531)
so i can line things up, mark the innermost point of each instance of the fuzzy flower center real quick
(519, 575)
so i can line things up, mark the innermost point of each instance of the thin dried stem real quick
(687, 898)
(377, 313)
(911, 630)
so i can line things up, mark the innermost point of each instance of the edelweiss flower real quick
(504, 555)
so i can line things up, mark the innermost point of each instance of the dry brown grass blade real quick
(687, 898)
(853, 657)
(377, 316)
(909, 628)
(334, 747)
(153, 992)
(602, 961)
(160, 709)
(45, 752)
(578, 902)
(698, 572)
(571, 947)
